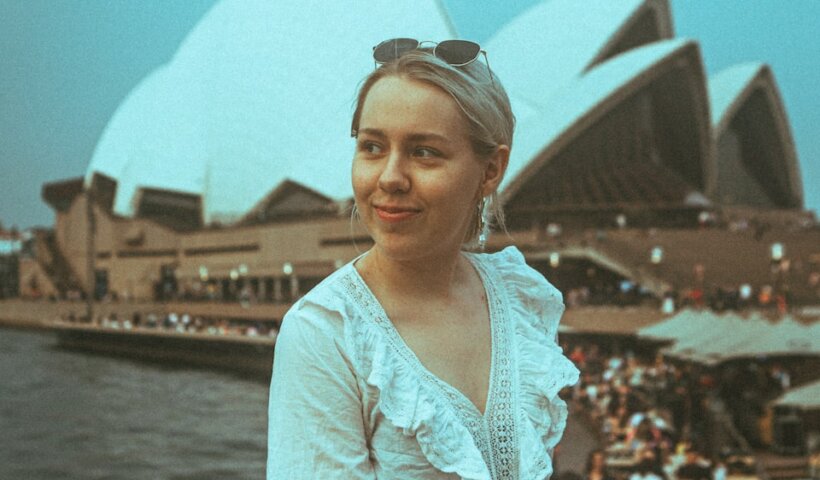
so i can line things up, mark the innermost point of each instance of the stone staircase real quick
(51, 259)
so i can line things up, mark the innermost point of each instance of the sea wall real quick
(250, 354)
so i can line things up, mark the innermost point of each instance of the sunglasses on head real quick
(453, 52)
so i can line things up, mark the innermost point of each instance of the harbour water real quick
(70, 415)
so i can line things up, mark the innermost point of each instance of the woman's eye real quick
(425, 152)
(370, 147)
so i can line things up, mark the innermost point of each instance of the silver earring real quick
(481, 224)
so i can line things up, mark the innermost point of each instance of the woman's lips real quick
(393, 214)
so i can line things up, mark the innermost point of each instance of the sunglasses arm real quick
(488, 66)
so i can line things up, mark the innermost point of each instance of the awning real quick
(806, 397)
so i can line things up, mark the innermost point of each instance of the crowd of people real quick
(775, 293)
(180, 323)
(717, 298)
(661, 421)
(622, 293)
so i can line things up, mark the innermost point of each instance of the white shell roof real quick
(726, 85)
(572, 102)
(726, 92)
(153, 139)
(552, 43)
(250, 100)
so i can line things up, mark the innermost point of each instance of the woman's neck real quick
(430, 277)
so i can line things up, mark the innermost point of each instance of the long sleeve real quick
(315, 424)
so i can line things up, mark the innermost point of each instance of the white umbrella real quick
(806, 397)
(738, 332)
(786, 337)
(673, 327)
(702, 329)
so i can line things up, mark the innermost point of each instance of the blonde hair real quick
(480, 97)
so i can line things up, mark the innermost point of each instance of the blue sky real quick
(65, 65)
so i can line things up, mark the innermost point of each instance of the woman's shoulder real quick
(511, 265)
(332, 292)
(324, 310)
(528, 288)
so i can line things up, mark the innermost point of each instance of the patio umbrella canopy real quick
(736, 334)
(806, 397)
(676, 326)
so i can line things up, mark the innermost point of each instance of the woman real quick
(418, 360)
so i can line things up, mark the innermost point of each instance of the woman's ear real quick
(495, 169)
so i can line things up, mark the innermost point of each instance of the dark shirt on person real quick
(693, 471)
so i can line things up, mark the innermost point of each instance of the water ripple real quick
(70, 415)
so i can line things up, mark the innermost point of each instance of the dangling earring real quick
(481, 224)
(479, 213)
(354, 213)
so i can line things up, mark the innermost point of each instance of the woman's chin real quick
(406, 247)
(400, 248)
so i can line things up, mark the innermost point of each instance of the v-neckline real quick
(455, 395)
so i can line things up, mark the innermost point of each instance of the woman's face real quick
(416, 178)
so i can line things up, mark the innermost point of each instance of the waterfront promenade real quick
(33, 314)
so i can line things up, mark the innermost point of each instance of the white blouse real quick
(349, 399)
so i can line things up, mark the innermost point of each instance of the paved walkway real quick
(578, 441)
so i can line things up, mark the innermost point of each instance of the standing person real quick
(419, 360)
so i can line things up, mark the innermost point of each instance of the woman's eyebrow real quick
(413, 137)
(426, 137)
(373, 131)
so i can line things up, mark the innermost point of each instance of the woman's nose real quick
(393, 178)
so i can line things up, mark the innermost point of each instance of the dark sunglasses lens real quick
(389, 50)
(457, 52)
